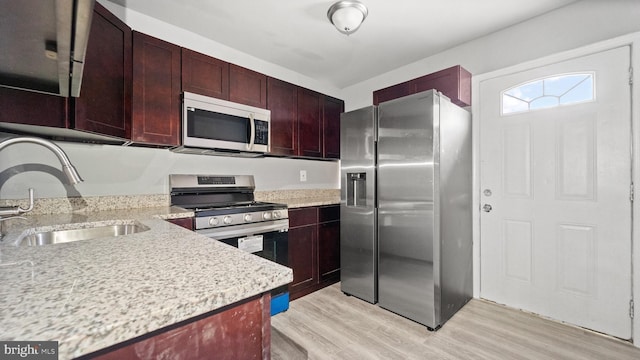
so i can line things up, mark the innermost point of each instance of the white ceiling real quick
(297, 35)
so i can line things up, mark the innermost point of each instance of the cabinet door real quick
(247, 86)
(204, 75)
(331, 127)
(104, 105)
(329, 242)
(31, 108)
(302, 248)
(302, 257)
(156, 91)
(309, 123)
(394, 92)
(329, 250)
(282, 102)
(454, 83)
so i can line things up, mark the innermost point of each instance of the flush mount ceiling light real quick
(347, 15)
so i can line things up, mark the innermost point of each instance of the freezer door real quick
(406, 224)
(358, 249)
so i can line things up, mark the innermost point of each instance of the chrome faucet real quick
(68, 169)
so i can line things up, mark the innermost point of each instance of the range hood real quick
(43, 44)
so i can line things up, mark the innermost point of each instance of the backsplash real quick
(282, 195)
(119, 202)
(89, 203)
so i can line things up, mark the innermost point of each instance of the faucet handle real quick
(21, 210)
(12, 211)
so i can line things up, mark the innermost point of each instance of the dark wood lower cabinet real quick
(303, 240)
(238, 331)
(314, 248)
(329, 243)
(186, 223)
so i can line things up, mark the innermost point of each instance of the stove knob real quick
(248, 218)
(266, 215)
(214, 221)
(276, 214)
(227, 220)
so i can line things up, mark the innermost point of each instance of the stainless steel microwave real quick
(211, 125)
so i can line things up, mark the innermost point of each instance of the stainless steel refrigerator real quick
(406, 206)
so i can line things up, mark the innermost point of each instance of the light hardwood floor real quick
(330, 325)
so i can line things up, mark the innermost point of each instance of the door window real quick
(549, 92)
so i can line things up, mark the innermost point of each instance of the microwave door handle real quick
(252, 122)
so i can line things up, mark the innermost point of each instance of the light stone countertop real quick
(301, 198)
(92, 294)
(311, 201)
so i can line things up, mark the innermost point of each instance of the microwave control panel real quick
(262, 132)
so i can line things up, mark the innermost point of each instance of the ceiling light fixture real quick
(347, 15)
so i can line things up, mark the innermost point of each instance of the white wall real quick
(117, 170)
(578, 24)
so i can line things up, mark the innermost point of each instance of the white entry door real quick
(555, 175)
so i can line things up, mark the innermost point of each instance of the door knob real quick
(486, 208)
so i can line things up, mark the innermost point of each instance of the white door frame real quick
(632, 40)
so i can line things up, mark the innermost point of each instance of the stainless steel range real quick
(225, 209)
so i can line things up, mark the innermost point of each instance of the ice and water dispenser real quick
(356, 189)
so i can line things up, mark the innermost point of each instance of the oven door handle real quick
(252, 122)
(245, 230)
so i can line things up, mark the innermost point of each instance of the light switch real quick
(303, 175)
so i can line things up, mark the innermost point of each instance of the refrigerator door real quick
(455, 210)
(406, 203)
(358, 249)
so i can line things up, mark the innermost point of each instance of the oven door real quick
(273, 237)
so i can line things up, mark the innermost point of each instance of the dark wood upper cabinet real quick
(31, 108)
(104, 105)
(156, 91)
(309, 123)
(205, 75)
(282, 101)
(394, 92)
(454, 83)
(247, 86)
(331, 110)
(131, 91)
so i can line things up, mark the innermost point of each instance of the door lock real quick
(487, 208)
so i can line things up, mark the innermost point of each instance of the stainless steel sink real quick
(62, 236)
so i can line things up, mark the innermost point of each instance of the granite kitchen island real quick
(119, 293)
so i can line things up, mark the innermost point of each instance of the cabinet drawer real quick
(303, 216)
(328, 213)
